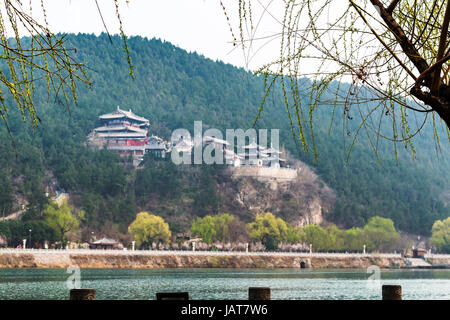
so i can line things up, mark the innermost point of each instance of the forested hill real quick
(173, 88)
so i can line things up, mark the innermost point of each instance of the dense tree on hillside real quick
(63, 219)
(173, 89)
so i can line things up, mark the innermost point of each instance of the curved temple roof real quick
(122, 114)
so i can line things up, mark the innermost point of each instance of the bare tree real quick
(393, 54)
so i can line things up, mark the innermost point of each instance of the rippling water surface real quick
(224, 283)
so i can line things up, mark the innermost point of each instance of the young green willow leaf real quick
(384, 65)
(31, 52)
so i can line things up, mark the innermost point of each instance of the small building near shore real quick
(419, 252)
(105, 244)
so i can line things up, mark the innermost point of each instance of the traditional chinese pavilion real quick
(123, 131)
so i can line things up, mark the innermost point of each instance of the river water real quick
(210, 284)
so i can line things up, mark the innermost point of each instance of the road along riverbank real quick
(20, 258)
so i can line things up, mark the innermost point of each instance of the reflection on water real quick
(224, 283)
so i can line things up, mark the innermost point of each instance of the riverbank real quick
(188, 259)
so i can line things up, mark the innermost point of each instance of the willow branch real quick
(392, 6)
(409, 49)
(441, 50)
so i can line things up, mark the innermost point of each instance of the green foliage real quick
(354, 239)
(268, 229)
(148, 229)
(205, 228)
(159, 176)
(15, 231)
(213, 228)
(294, 235)
(4, 229)
(63, 219)
(317, 236)
(440, 235)
(380, 233)
(206, 196)
(173, 88)
(6, 193)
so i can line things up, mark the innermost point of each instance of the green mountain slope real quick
(174, 88)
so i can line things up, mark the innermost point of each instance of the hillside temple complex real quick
(127, 133)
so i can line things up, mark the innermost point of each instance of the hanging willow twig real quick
(394, 55)
(32, 52)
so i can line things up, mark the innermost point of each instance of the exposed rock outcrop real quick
(301, 201)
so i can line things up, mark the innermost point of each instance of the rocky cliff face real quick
(302, 201)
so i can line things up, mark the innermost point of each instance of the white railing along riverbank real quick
(212, 253)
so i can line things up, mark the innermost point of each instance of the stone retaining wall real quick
(64, 259)
(265, 174)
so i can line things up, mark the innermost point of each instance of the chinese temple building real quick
(123, 131)
(126, 133)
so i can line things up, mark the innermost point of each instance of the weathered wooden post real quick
(82, 294)
(258, 293)
(172, 296)
(391, 292)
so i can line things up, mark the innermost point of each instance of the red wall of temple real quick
(135, 142)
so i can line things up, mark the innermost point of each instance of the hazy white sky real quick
(194, 25)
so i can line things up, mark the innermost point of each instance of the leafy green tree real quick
(4, 230)
(268, 229)
(213, 228)
(335, 238)
(205, 228)
(148, 229)
(317, 236)
(440, 235)
(222, 226)
(380, 233)
(354, 239)
(294, 235)
(63, 219)
(6, 194)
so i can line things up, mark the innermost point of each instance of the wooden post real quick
(391, 292)
(172, 296)
(82, 294)
(258, 293)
